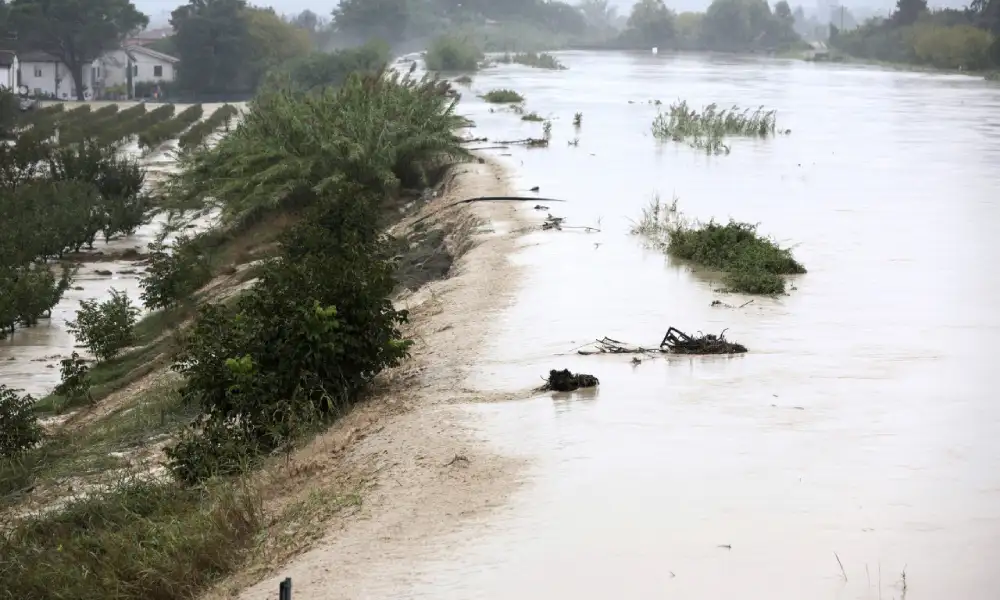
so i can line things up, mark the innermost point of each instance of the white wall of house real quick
(50, 77)
(8, 76)
(144, 67)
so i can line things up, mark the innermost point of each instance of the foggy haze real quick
(159, 10)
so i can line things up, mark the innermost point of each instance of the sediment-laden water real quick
(862, 424)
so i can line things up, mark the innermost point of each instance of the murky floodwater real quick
(29, 359)
(863, 422)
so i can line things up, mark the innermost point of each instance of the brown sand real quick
(411, 450)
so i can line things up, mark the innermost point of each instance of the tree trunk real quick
(76, 70)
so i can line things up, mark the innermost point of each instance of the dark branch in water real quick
(674, 342)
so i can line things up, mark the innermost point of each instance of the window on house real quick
(38, 71)
(158, 71)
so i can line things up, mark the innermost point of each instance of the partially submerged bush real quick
(105, 328)
(533, 59)
(19, 428)
(138, 540)
(74, 388)
(503, 96)
(753, 263)
(707, 129)
(451, 53)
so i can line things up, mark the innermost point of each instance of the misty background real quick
(159, 10)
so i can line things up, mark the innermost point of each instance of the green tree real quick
(783, 11)
(272, 42)
(74, 31)
(212, 43)
(908, 11)
(651, 23)
(366, 19)
(738, 25)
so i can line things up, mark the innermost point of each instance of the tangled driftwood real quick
(675, 341)
(565, 381)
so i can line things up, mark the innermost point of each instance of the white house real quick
(44, 74)
(147, 66)
(8, 70)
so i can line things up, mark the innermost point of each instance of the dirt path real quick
(411, 449)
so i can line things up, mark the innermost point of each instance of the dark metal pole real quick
(285, 589)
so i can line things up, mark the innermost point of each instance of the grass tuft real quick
(532, 116)
(138, 540)
(451, 53)
(707, 129)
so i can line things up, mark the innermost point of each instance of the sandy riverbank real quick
(410, 453)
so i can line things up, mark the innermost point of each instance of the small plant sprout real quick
(547, 130)
(578, 119)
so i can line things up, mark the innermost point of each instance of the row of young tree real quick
(56, 200)
(948, 38)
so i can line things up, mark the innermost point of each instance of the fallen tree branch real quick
(486, 199)
(674, 341)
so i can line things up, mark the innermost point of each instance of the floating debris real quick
(565, 381)
(674, 342)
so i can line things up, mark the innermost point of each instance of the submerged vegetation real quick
(503, 96)
(752, 264)
(532, 59)
(707, 130)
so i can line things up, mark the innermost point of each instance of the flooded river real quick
(861, 429)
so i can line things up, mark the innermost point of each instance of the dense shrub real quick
(753, 264)
(933, 40)
(19, 428)
(300, 346)
(451, 53)
(290, 146)
(318, 70)
(105, 328)
(173, 274)
(74, 386)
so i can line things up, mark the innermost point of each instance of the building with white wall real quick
(147, 66)
(9, 65)
(45, 75)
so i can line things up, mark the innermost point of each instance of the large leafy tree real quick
(651, 23)
(213, 44)
(74, 31)
(385, 20)
(908, 11)
(272, 42)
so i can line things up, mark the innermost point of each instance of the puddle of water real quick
(861, 422)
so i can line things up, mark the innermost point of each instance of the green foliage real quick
(19, 427)
(171, 277)
(322, 69)
(707, 129)
(299, 347)
(196, 136)
(291, 147)
(10, 114)
(105, 328)
(451, 53)
(650, 24)
(939, 39)
(503, 96)
(168, 130)
(533, 59)
(365, 20)
(74, 386)
(75, 32)
(137, 541)
(226, 47)
(743, 25)
(753, 264)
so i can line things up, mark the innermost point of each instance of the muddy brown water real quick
(863, 424)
